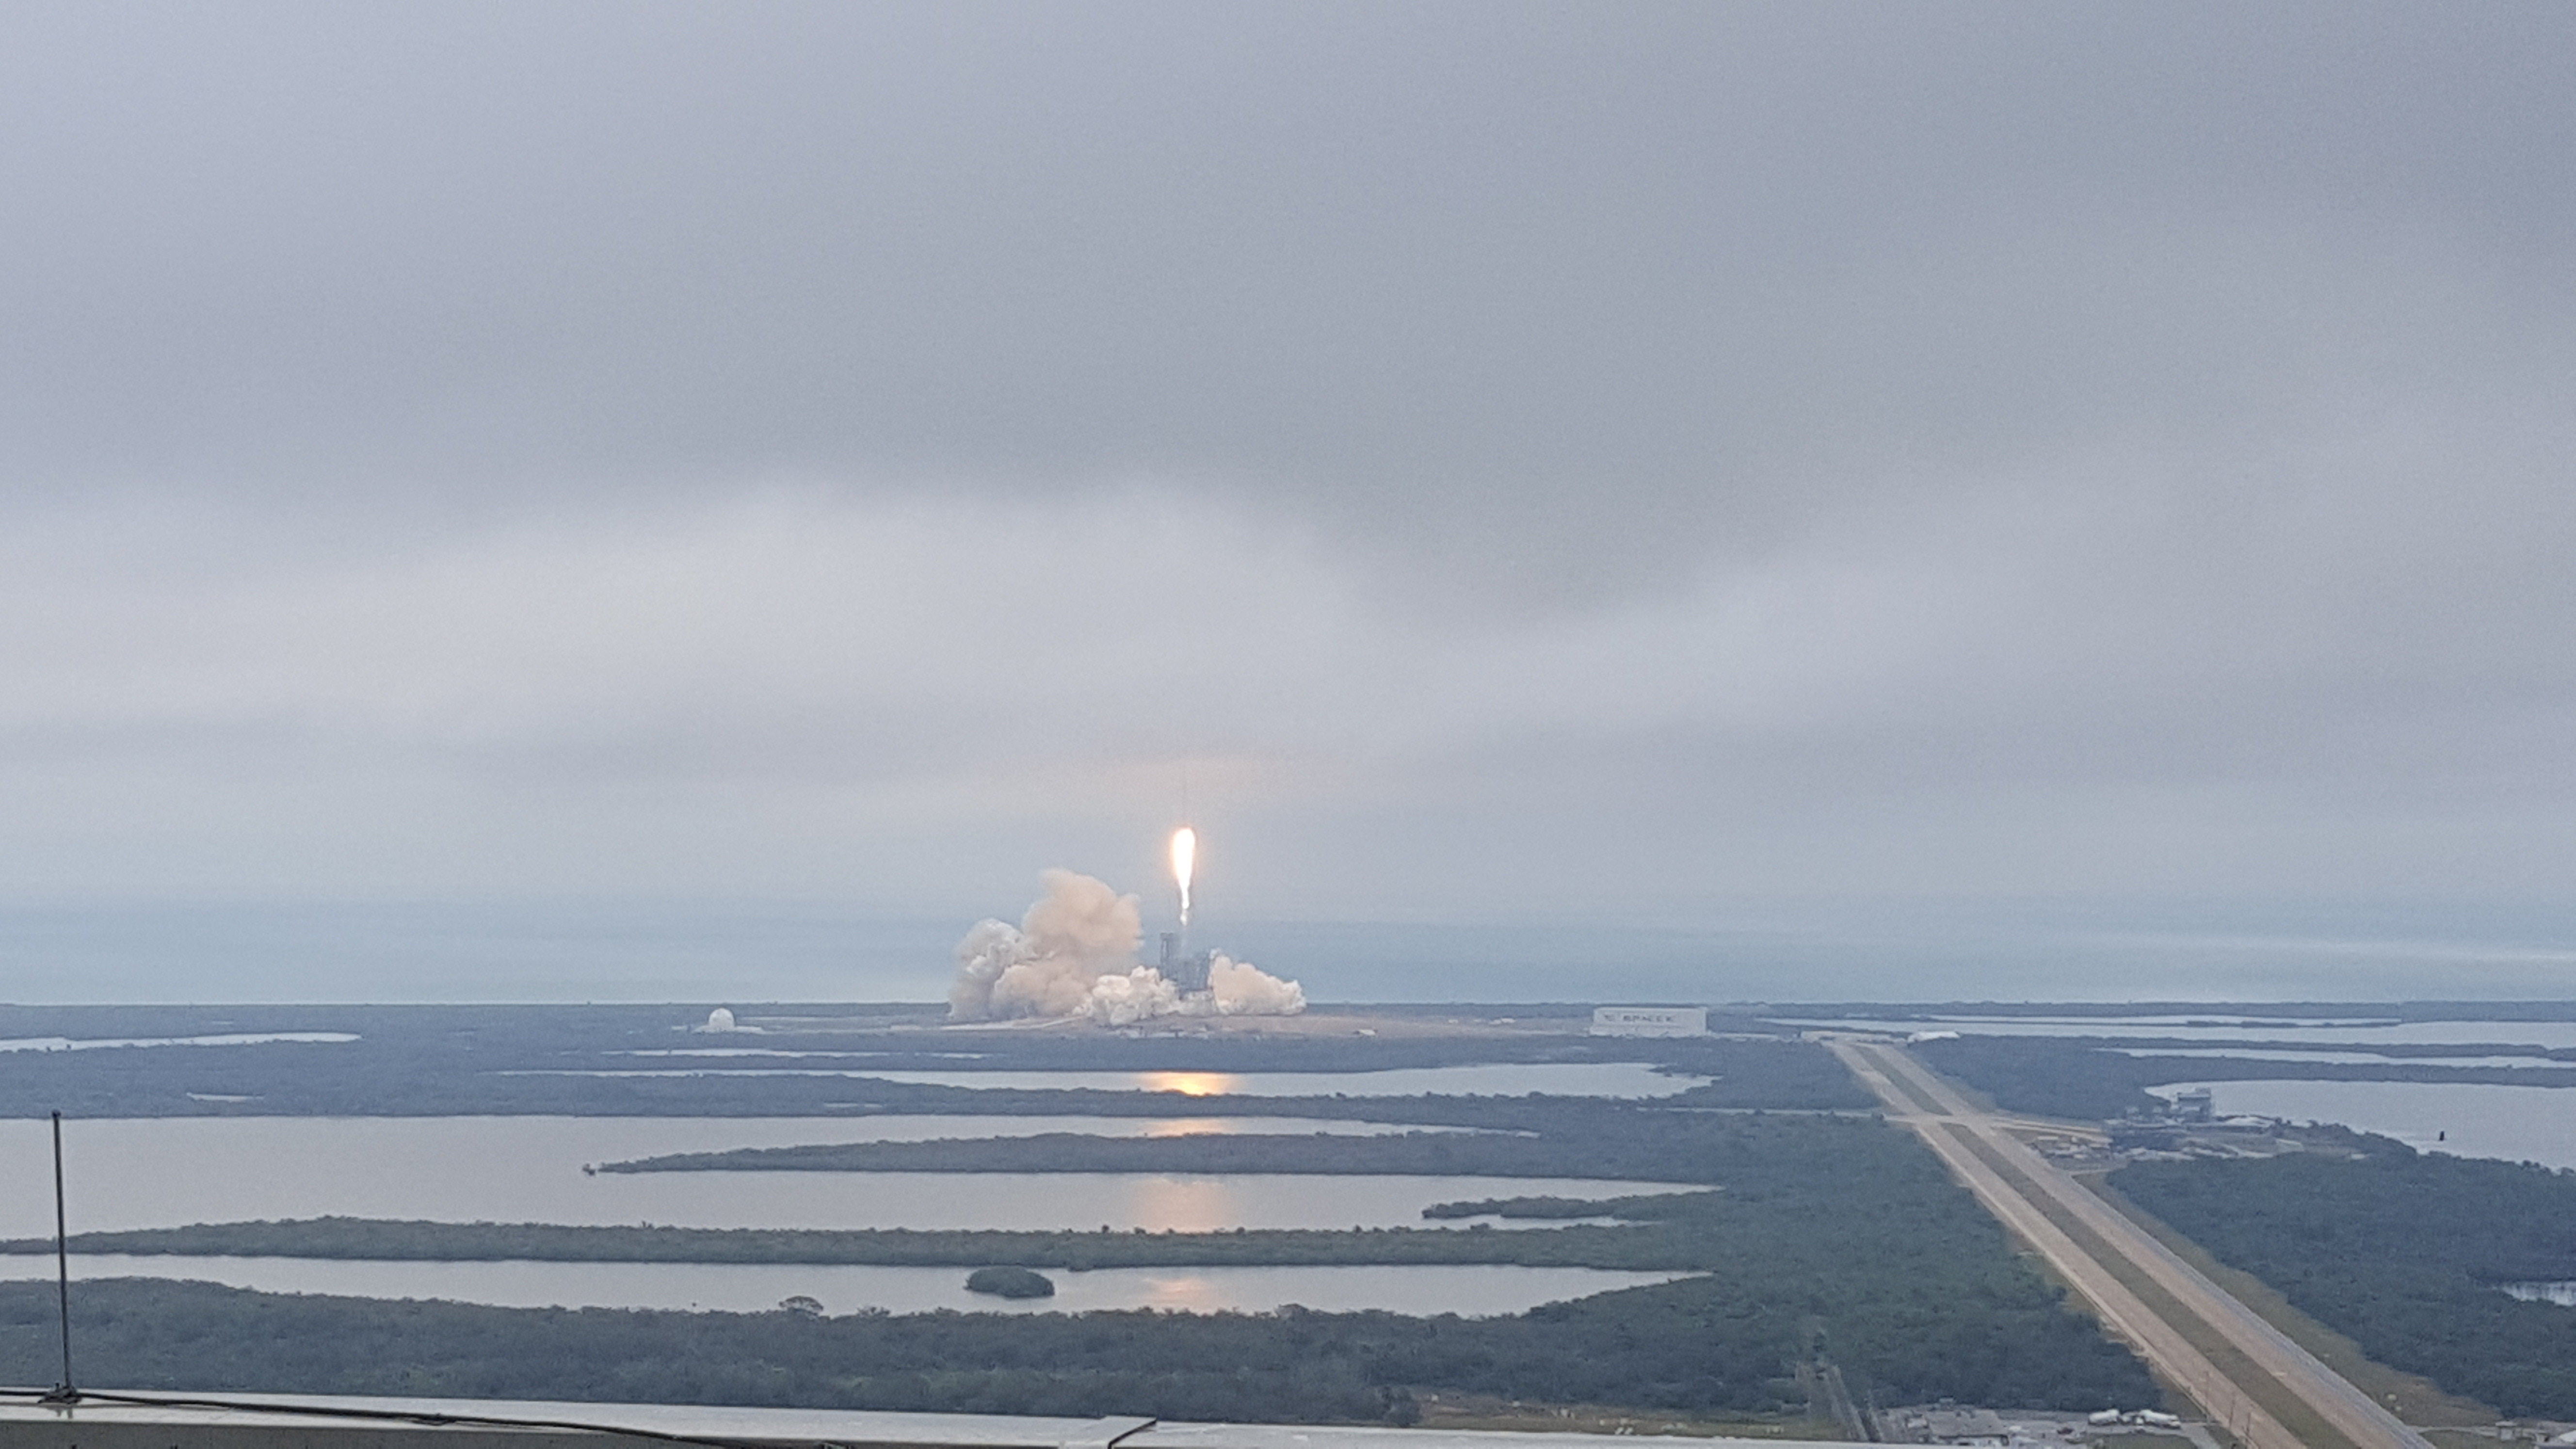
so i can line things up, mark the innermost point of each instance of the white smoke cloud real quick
(1074, 954)
(1078, 933)
(1142, 992)
(1239, 988)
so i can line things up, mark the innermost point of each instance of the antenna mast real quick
(63, 1392)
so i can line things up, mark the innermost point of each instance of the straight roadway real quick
(2248, 1376)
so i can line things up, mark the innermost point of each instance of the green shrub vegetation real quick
(1567, 1138)
(1700, 1344)
(2401, 1252)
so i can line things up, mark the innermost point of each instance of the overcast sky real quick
(1575, 460)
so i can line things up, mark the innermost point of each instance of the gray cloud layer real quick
(1567, 458)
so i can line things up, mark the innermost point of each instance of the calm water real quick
(2219, 1030)
(2518, 1124)
(84, 1044)
(1501, 1079)
(163, 1172)
(753, 1287)
(2326, 1056)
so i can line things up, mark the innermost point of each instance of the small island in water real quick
(1010, 1283)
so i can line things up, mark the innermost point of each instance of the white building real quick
(1650, 1021)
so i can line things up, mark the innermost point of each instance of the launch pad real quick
(1180, 966)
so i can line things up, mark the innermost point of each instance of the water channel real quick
(166, 1172)
(2218, 1030)
(756, 1287)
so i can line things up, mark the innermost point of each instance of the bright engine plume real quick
(1185, 859)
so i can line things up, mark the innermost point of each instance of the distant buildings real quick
(1650, 1021)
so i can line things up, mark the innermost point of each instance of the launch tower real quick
(1180, 966)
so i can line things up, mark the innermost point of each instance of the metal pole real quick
(63, 1392)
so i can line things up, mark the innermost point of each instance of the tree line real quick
(2400, 1251)
(1696, 1345)
(390, 1240)
(1568, 1137)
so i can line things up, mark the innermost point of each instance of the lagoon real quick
(1472, 1290)
(2518, 1124)
(168, 1172)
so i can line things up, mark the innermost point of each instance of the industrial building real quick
(1650, 1021)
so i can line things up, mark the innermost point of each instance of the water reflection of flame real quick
(1195, 1295)
(1195, 1126)
(1184, 1205)
(1192, 1084)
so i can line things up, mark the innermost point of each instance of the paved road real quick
(2040, 1204)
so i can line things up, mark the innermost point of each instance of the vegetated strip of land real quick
(2400, 1251)
(1609, 1154)
(1649, 1246)
(1652, 1349)
(1578, 1137)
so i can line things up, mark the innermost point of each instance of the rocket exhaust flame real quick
(1185, 859)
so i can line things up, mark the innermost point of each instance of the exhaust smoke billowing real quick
(1074, 955)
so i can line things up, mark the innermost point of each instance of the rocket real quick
(1179, 966)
